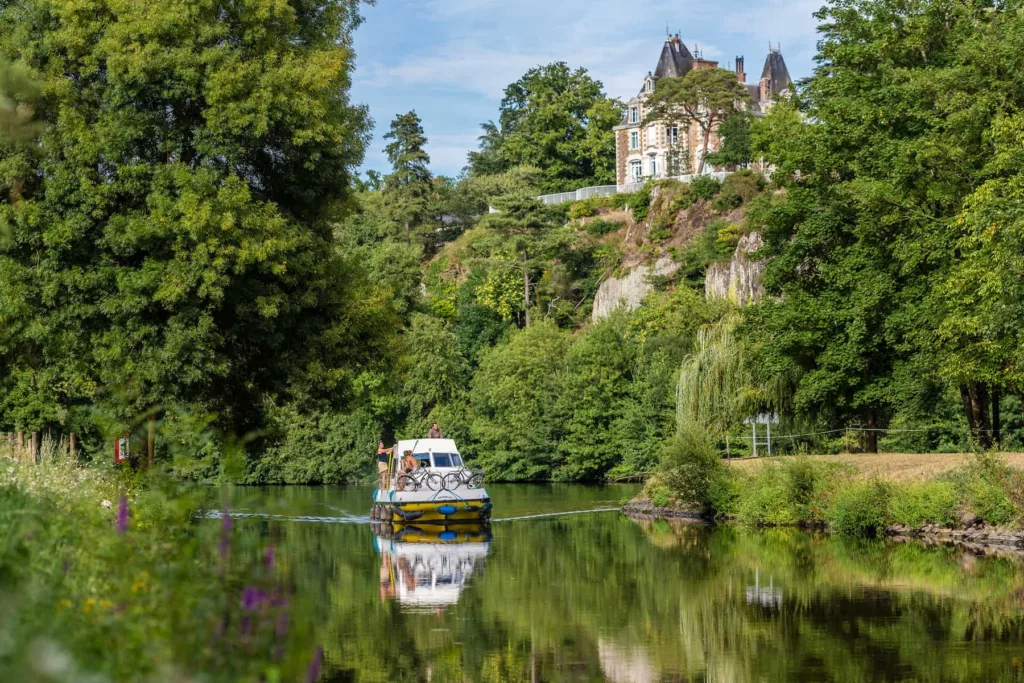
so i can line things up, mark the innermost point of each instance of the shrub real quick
(928, 503)
(661, 230)
(589, 207)
(745, 185)
(861, 509)
(990, 502)
(684, 200)
(705, 187)
(601, 227)
(690, 465)
(639, 203)
(724, 490)
(767, 501)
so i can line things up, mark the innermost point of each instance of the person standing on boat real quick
(435, 432)
(383, 456)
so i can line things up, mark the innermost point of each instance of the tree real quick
(879, 257)
(706, 97)
(409, 186)
(173, 242)
(522, 221)
(735, 148)
(557, 120)
(488, 160)
(514, 396)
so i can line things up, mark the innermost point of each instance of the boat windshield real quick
(447, 460)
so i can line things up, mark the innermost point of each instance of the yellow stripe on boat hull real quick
(419, 513)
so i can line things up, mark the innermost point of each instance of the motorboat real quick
(439, 490)
(426, 570)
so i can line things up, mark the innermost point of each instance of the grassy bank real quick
(105, 577)
(855, 495)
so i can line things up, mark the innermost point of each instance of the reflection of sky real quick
(450, 60)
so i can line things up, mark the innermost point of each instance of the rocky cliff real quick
(630, 290)
(739, 280)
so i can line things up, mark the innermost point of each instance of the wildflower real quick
(314, 667)
(64, 604)
(122, 514)
(89, 604)
(106, 504)
(252, 598)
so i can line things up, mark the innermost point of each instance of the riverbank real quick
(104, 576)
(973, 500)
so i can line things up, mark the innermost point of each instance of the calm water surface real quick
(597, 597)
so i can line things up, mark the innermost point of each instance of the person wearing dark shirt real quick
(383, 456)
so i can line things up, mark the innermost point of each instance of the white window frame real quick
(672, 134)
(634, 114)
(634, 139)
(654, 167)
(636, 170)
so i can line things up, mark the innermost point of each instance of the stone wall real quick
(621, 156)
(739, 280)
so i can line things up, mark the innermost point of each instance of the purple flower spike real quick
(122, 514)
(314, 668)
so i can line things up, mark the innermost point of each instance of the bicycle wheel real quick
(452, 481)
(476, 480)
(408, 482)
(433, 481)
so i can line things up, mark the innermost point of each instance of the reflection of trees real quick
(556, 593)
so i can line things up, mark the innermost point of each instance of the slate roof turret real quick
(675, 60)
(775, 72)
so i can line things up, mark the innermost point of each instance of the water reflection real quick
(597, 597)
(425, 569)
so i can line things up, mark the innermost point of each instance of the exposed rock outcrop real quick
(630, 290)
(739, 280)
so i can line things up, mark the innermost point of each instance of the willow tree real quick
(706, 97)
(172, 242)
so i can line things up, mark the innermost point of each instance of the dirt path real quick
(892, 466)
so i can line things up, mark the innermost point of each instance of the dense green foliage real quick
(170, 226)
(557, 120)
(890, 244)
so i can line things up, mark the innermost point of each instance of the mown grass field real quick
(897, 467)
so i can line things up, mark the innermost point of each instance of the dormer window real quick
(634, 114)
(649, 85)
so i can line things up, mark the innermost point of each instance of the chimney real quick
(741, 75)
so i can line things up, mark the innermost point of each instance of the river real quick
(599, 597)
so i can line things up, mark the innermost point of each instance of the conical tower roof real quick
(775, 72)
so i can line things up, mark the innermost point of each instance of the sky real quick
(450, 60)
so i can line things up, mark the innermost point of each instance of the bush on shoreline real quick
(805, 492)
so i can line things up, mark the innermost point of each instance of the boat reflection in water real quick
(425, 568)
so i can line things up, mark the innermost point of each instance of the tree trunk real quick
(870, 435)
(526, 290)
(976, 407)
(996, 435)
(704, 152)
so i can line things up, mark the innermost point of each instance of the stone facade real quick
(661, 150)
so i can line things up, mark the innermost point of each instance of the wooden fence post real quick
(34, 447)
(71, 447)
(846, 442)
(10, 443)
(19, 454)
